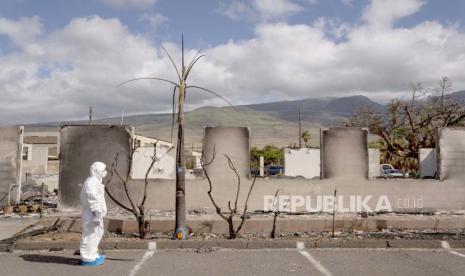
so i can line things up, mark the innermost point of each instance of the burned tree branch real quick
(233, 168)
(138, 210)
(111, 172)
(275, 215)
(210, 189)
(229, 218)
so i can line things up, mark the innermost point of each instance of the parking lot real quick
(242, 262)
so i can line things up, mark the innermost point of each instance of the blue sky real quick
(202, 22)
(71, 54)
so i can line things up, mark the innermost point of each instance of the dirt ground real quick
(320, 236)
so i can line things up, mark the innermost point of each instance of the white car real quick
(388, 171)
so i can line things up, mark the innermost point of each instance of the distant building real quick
(428, 163)
(305, 162)
(40, 159)
(302, 162)
(196, 160)
(164, 152)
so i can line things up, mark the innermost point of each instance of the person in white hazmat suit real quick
(93, 210)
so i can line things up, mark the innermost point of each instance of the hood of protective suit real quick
(98, 170)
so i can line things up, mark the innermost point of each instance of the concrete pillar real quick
(344, 153)
(19, 163)
(231, 141)
(451, 153)
(262, 166)
(374, 159)
(11, 150)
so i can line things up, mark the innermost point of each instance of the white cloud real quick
(236, 10)
(23, 32)
(155, 20)
(333, 27)
(81, 63)
(129, 3)
(383, 13)
(259, 10)
(269, 9)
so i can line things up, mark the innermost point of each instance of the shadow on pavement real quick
(120, 259)
(50, 259)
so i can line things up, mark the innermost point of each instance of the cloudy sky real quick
(58, 57)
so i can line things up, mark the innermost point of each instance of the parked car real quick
(388, 171)
(274, 170)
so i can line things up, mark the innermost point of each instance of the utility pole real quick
(300, 128)
(90, 115)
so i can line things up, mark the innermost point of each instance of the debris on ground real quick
(32, 233)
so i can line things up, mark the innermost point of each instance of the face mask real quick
(104, 173)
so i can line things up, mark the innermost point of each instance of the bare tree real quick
(138, 209)
(417, 92)
(444, 86)
(181, 87)
(407, 126)
(233, 210)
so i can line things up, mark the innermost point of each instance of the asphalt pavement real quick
(331, 261)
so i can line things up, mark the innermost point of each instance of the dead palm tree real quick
(180, 87)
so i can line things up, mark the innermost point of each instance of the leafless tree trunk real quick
(233, 211)
(137, 209)
(444, 86)
(276, 213)
(334, 213)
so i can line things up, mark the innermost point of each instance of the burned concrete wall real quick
(374, 159)
(451, 153)
(232, 141)
(11, 144)
(404, 195)
(344, 153)
(80, 147)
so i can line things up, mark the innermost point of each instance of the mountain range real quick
(270, 123)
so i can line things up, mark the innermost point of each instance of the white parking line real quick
(446, 246)
(148, 254)
(301, 247)
(457, 253)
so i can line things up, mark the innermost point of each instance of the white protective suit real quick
(93, 209)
